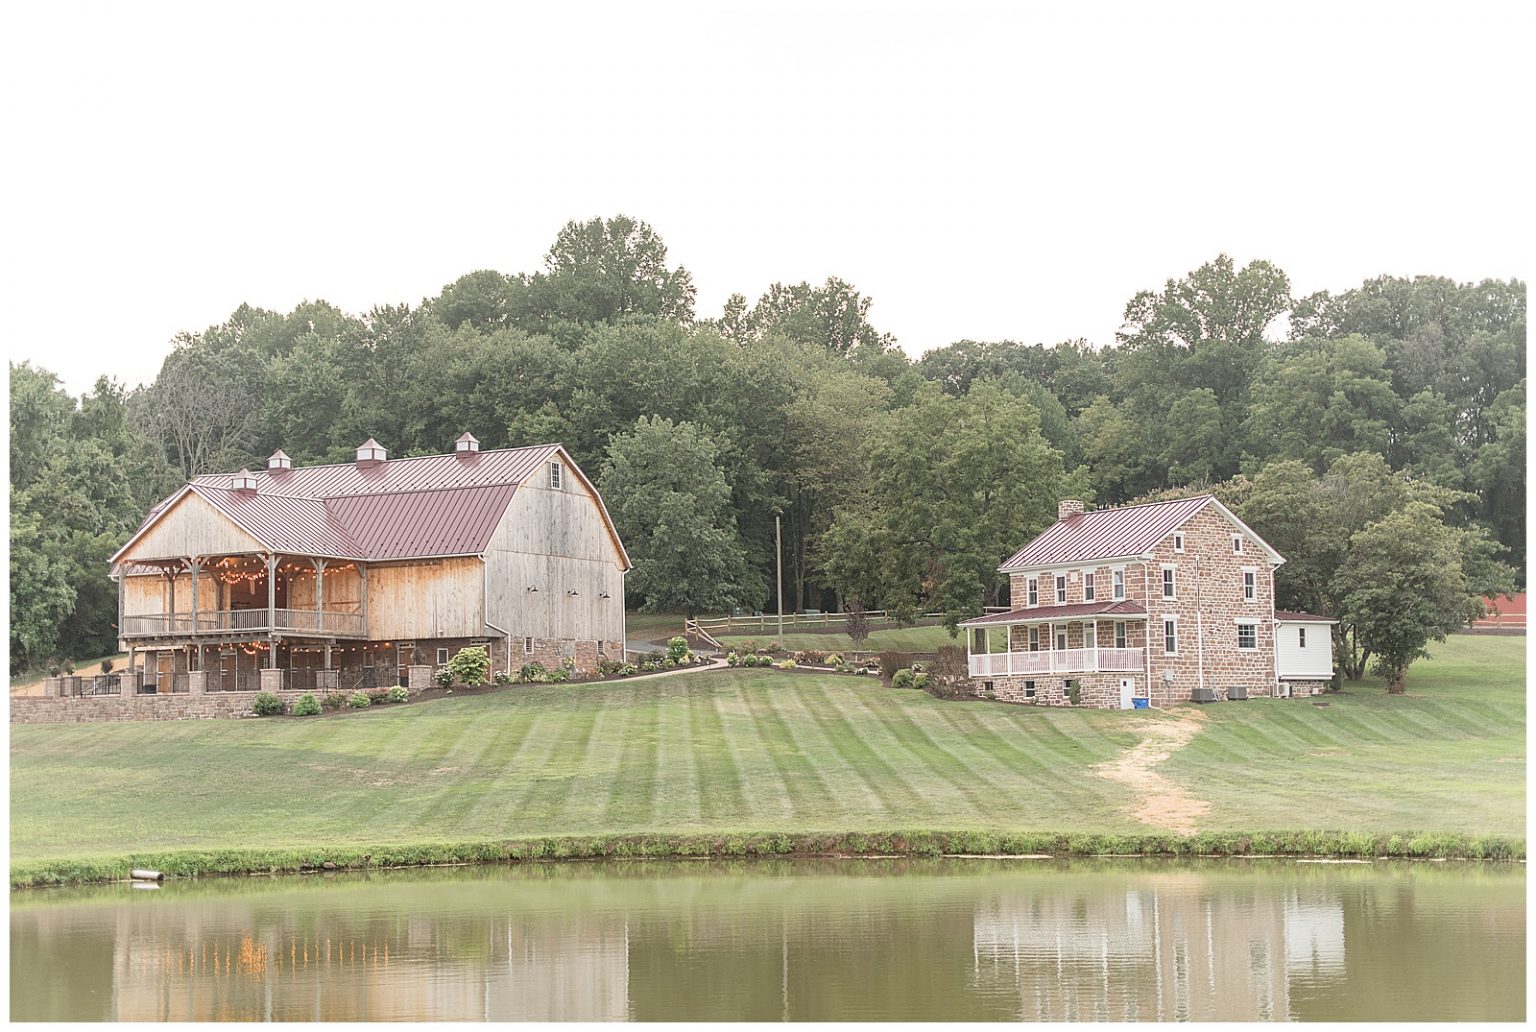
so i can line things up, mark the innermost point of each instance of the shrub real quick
(359, 700)
(669, 663)
(647, 666)
(920, 680)
(332, 700)
(532, 672)
(266, 704)
(834, 659)
(787, 664)
(568, 664)
(891, 662)
(556, 676)
(106, 666)
(846, 668)
(677, 648)
(306, 705)
(950, 672)
(903, 678)
(814, 657)
(1074, 692)
(397, 694)
(731, 659)
(501, 677)
(470, 665)
(626, 670)
(69, 666)
(54, 670)
(443, 678)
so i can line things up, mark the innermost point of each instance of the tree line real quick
(901, 483)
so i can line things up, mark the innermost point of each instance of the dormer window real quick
(556, 476)
(243, 481)
(466, 443)
(371, 451)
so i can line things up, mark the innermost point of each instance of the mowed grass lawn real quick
(761, 750)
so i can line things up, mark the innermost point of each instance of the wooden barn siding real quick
(431, 599)
(557, 541)
(143, 594)
(192, 527)
(343, 590)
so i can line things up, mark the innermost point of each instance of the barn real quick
(343, 576)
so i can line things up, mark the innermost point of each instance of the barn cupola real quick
(370, 451)
(466, 443)
(278, 460)
(244, 480)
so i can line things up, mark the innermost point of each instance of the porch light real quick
(531, 588)
(573, 592)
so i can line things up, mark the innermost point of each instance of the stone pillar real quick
(52, 687)
(128, 684)
(197, 682)
(418, 677)
(271, 680)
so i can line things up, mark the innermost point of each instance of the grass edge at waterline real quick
(1335, 844)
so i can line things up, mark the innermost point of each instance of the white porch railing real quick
(239, 621)
(1056, 661)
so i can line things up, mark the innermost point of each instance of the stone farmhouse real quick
(1165, 602)
(350, 575)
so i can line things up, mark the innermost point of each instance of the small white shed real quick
(1303, 646)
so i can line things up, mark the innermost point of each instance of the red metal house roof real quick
(1290, 617)
(1075, 611)
(1107, 533)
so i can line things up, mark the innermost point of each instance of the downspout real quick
(1199, 631)
(1146, 624)
(485, 612)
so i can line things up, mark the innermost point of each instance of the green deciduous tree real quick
(1318, 399)
(671, 504)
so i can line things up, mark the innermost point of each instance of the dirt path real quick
(1157, 800)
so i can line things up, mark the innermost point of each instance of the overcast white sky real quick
(1010, 171)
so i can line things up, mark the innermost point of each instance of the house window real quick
(1034, 592)
(1247, 636)
(1301, 637)
(1090, 636)
(1061, 641)
(1168, 584)
(1119, 584)
(1034, 639)
(527, 646)
(555, 476)
(1088, 588)
(1250, 585)
(1061, 589)
(1170, 636)
(442, 657)
(1120, 635)
(1178, 542)
(1029, 689)
(1237, 544)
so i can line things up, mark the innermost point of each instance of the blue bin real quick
(1140, 703)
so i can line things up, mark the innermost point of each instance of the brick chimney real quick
(1068, 507)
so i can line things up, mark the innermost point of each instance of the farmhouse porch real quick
(1071, 639)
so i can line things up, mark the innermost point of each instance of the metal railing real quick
(1056, 661)
(330, 623)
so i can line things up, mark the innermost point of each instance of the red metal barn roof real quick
(423, 473)
(1107, 533)
(285, 524)
(457, 521)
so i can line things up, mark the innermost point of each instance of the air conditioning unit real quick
(1204, 695)
(1238, 691)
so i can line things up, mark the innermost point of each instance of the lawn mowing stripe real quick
(846, 738)
(544, 730)
(632, 797)
(599, 770)
(676, 802)
(1003, 756)
(765, 796)
(455, 799)
(544, 806)
(490, 807)
(720, 795)
(953, 779)
(812, 739)
(808, 792)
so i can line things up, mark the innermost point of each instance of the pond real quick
(919, 940)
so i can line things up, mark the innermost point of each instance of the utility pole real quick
(778, 555)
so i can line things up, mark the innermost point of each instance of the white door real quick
(1127, 689)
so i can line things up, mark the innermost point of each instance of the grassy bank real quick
(897, 639)
(194, 863)
(741, 757)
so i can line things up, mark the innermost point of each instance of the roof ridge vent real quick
(466, 443)
(279, 460)
(243, 481)
(371, 451)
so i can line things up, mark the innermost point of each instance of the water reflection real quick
(947, 940)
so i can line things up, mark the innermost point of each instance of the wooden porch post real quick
(362, 572)
(122, 588)
(272, 609)
(170, 608)
(319, 595)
